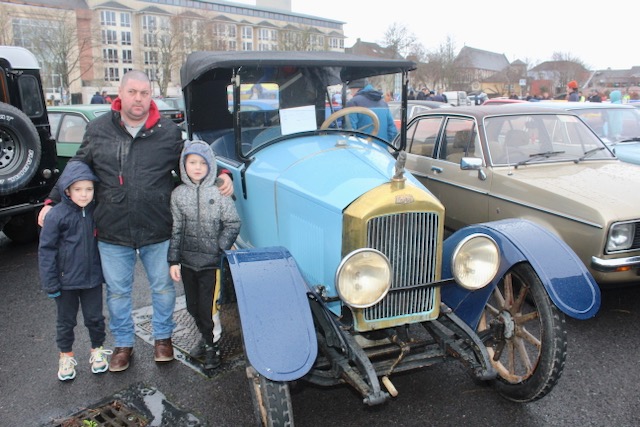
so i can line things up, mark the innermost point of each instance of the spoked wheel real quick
(525, 335)
(271, 400)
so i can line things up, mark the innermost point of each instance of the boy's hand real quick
(225, 185)
(42, 214)
(174, 271)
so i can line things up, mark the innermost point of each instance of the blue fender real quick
(567, 281)
(277, 326)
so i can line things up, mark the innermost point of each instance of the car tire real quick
(271, 400)
(20, 149)
(528, 347)
(22, 228)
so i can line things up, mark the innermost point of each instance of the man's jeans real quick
(118, 266)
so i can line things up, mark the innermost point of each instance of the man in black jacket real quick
(133, 151)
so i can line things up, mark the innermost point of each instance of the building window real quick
(127, 57)
(149, 23)
(150, 40)
(125, 19)
(247, 45)
(109, 37)
(110, 55)
(126, 70)
(232, 45)
(107, 17)
(112, 74)
(125, 37)
(152, 73)
(247, 33)
(150, 58)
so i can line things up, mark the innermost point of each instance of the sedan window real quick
(540, 138)
(422, 134)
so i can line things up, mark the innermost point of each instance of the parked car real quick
(618, 125)
(68, 124)
(167, 110)
(341, 271)
(536, 163)
(414, 108)
(27, 150)
(457, 98)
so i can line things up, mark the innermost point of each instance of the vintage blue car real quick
(341, 272)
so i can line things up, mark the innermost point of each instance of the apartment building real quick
(86, 46)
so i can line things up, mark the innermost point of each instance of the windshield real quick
(612, 124)
(269, 110)
(541, 138)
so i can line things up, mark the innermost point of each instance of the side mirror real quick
(473, 164)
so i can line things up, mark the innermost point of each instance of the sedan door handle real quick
(436, 169)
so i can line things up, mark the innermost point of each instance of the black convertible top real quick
(351, 67)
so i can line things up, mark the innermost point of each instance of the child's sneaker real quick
(212, 357)
(98, 360)
(66, 367)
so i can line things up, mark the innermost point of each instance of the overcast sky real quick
(530, 31)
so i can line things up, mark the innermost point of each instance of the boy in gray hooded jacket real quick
(205, 223)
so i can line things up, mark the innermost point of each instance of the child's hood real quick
(203, 149)
(75, 171)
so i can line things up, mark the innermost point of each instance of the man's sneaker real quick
(197, 352)
(66, 367)
(212, 357)
(98, 360)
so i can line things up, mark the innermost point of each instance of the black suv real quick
(27, 149)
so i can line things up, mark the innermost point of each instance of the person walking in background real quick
(97, 98)
(572, 91)
(106, 97)
(70, 271)
(595, 96)
(133, 214)
(370, 98)
(204, 225)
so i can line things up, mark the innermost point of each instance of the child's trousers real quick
(198, 292)
(90, 300)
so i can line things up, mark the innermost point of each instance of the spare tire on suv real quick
(20, 149)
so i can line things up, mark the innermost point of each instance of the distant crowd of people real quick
(101, 98)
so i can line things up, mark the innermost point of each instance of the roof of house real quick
(372, 49)
(481, 59)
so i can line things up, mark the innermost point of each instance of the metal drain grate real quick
(113, 414)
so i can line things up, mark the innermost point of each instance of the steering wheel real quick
(354, 110)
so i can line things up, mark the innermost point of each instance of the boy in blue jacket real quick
(70, 269)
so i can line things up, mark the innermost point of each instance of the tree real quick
(398, 38)
(55, 40)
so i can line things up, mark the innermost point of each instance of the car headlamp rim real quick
(620, 237)
(376, 269)
(475, 261)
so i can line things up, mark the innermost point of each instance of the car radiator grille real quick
(410, 241)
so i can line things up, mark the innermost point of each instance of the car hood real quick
(598, 191)
(350, 170)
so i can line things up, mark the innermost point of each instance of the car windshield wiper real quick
(545, 154)
(588, 153)
(634, 139)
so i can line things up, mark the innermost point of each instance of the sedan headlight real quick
(363, 278)
(475, 261)
(621, 236)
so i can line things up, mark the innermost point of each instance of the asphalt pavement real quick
(600, 385)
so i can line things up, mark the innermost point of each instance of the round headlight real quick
(475, 261)
(363, 278)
